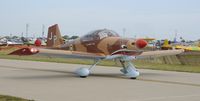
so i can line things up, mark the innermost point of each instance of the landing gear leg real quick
(129, 69)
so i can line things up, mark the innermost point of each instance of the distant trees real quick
(182, 40)
(15, 37)
(12, 37)
(74, 37)
(24, 39)
(7, 37)
(66, 37)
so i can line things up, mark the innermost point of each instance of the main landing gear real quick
(84, 72)
(128, 70)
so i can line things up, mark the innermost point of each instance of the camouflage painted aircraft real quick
(99, 45)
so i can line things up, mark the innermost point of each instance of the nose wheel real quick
(129, 70)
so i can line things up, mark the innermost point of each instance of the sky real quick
(140, 18)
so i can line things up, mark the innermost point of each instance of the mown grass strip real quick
(11, 98)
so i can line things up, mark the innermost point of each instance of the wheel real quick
(133, 78)
(83, 76)
(132, 73)
(83, 72)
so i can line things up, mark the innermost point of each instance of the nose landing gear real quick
(129, 69)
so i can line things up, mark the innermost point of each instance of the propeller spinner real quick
(140, 43)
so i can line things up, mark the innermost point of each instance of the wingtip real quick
(25, 51)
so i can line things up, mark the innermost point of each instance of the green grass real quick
(139, 64)
(169, 67)
(10, 98)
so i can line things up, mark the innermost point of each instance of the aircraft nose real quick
(140, 43)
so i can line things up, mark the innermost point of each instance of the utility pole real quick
(22, 34)
(43, 27)
(27, 26)
(175, 38)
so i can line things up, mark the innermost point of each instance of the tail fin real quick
(166, 45)
(54, 38)
(166, 42)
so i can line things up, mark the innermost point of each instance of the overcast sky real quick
(140, 18)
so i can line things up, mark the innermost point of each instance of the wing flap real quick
(56, 53)
(69, 54)
(127, 52)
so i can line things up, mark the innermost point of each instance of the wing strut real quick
(84, 72)
(95, 63)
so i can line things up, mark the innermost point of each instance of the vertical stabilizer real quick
(54, 38)
(166, 45)
(166, 42)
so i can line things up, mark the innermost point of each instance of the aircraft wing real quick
(160, 53)
(56, 53)
(85, 55)
(75, 54)
(69, 54)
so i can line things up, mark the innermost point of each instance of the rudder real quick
(54, 38)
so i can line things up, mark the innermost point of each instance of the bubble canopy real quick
(100, 34)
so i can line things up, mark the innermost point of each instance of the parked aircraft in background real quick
(168, 45)
(10, 42)
(99, 45)
(37, 42)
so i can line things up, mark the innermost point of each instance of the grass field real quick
(10, 98)
(139, 64)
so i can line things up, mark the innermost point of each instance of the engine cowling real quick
(140, 43)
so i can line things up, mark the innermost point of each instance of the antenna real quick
(123, 37)
(22, 34)
(124, 31)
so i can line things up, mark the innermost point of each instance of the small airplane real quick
(99, 45)
(167, 46)
(10, 42)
